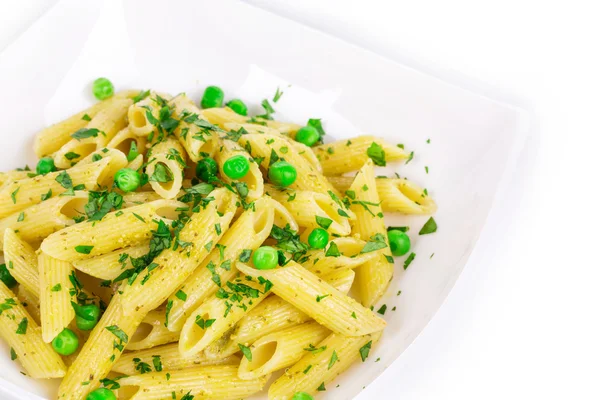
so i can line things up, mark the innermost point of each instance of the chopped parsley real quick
(333, 250)
(82, 249)
(22, 328)
(141, 366)
(161, 174)
(376, 242)
(13, 354)
(315, 350)
(85, 133)
(13, 195)
(319, 298)
(21, 216)
(181, 295)
(364, 351)
(409, 260)
(323, 222)
(410, 157)
(377, 154)
(245, 255)
(157, 363)
(382, 309)
(115, 330)
(47, 195)
(316, 123)
(56, 288)
(277, 96)
(202, 323)
(332, 360)
(245, 351)
(168, 311)
(86, 117)
(321, 387)
(429, 227)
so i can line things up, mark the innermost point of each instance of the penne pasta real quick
(117, 230)
(324, 303)
(271, 315)
(152, 332)
(95, 135)
(224, 116)
(350, 256)
(324, 366)
(167, 161)
(197, 136)
(54, 137)
(350, 155)
(175, 266)
(110, 265)
(396, 195)
(31, 302)
(22, 262)
(141, 114)
(24, 336)
(168, 357)
(306, 207)
(208, 382)
(374, 276)
(137, 198)
(281, 349)
(16, 196)
(38, 221)
(125, 141)
(245, 235)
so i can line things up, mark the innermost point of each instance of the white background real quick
(523, 319)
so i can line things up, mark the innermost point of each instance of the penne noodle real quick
(110, 265)
(21, 332)
(137, 114)
(206, 382)
(350, 155)
(374, 276)
(396, 195)
(51, 139)
(281, 349)
(169, 357)
(152, 332)
(22, 262)
(224, 116)
(96, 134)
(350, 257)
(167, 161)
(271, 315)
(38, 221)
(136, 198)
(324, 303)
(55, 298)
(306, 206)
(246, 234)
(117, 230)
(324, 365)
(125, 139)
(31, 302)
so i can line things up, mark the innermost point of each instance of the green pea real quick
(213, 97)
(399, 242)
(86, 317)
(238, 106)
(302, 396)
(127, 179)
(308, 135)
(45, 165)
(236, 167)
(265, 257)
(6, 277)
(66, 342)
(282, 173)
(206, 169)
(103, 88)
(101, 394)
(318, 238)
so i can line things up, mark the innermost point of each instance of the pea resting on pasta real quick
(216, 247)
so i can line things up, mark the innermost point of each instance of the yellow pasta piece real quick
(350, 155)
(396, 195)
(20, 331)
(38, 221)
(100, 130)
(175, 266)
(253, 179)
(271, 315)
(22, 262)
(169, 357)
(99, 353)
(15, 196)
(193, 132)
(137, 114)
(50, 139)
(165, 167)
(221, 313)
(301, 378)
(110, 265)
(306, 206)
(152, 332)
(247, 233)
(350, 257)
(116, 161)
(136, 198)
(263, 146)
(373, 277)
(225, 115)
(324, 303)
(14, 176)
(55, 300)
(125, 139)
(31, 302)
(210, 382)
(117, 230)
(137, 164)
(281, 349)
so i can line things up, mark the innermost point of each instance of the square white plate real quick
(187, 45)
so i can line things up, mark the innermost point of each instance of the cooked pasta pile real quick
(163, 250)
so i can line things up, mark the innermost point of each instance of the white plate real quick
(187, 45)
